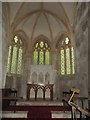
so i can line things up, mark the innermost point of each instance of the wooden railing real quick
(75, 107)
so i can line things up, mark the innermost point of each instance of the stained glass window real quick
(73, 66)
(14, 63)
(41, 44)
(19, 64)
(9, 58)
(41, 53)
(35, 56)
(41, 57)
(62, 62)
(47, 57)
(14, 60)
(68, 70)
(67, 58)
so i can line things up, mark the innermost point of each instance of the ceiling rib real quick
(14, 25)
(34, 26)
(49, 26)
(41, 5)
(60, 19)
(60, 5)
(25, 22)
(18, 11)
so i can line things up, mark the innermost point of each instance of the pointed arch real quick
(41, 77)
(66, 55)
(34, 77)
(47, 77)
(15, 54)
(41, 51)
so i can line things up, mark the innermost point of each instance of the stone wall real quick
(4, 46)
(0, 45)
(80, 80)
(1, 56)
(81, 36)
(89, 45)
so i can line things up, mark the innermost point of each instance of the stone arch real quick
(62, 35)
(23, 36)
(47, 93)
(39, 38)
(65, 48)
(40, 79)
(47, 77)
(34, 77)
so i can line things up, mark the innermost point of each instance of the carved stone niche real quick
(41, 74)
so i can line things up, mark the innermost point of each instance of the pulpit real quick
(36, 87)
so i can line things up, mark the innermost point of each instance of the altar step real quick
(35, 112)
(23, 114)
(37, 119)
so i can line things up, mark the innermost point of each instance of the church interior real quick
(45, 59)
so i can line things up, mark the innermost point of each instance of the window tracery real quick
(67, 65)
(41, 53)
(15, 52)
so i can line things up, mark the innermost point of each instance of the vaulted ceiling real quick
(41, 18)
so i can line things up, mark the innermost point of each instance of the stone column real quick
(53, 58)
(81, 35)
(0, 45)
(4, 50)
(14, 82)
(24, 78)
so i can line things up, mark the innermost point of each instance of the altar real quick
(38, 86)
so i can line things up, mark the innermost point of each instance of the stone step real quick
(17, 114)
(61, 114)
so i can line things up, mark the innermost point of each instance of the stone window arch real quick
(15, 54)
(66, 57)
(41, 54)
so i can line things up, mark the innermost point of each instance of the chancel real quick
(44, 59)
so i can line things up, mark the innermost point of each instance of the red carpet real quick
(39, 112)
(36, 112)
